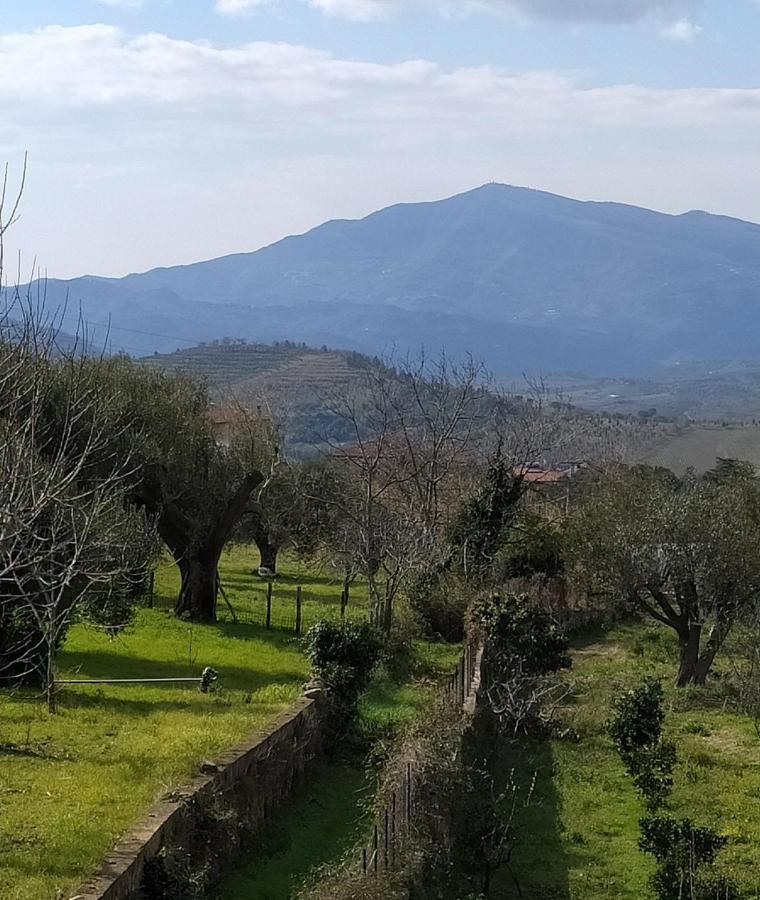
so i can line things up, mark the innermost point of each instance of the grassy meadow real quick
(699, 447)
(70, 784)
(580, 833)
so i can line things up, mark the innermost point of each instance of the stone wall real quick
(196, 832)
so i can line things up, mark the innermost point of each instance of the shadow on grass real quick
(540, 864)
(318, 827)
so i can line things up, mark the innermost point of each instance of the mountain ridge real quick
(515, 275)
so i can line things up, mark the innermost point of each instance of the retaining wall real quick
(201, 828)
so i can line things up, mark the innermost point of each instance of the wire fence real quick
(394, 824)
(285, 607)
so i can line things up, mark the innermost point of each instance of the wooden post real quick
(409, 794)
(364, 860)
(376, 848)
(343, 603)
(269, 605)
(298, 610)
(393, 831)
(387, 835)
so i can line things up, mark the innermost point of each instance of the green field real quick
(579, 836)
(700, 446)
(73, 782)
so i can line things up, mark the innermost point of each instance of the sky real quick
(167, 131)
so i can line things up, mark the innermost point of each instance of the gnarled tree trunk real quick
(689, 639)
(198, 588)
(197, 549)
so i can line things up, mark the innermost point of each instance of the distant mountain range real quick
(526, 280)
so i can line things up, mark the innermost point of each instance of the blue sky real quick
(165, 131)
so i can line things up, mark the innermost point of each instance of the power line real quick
(109, 327)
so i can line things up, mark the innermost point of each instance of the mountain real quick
(527, 280)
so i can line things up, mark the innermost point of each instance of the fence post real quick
(385, 854)
(269, 605)
(393, 831)
(298, 610)
(343, 603)
(409, 795)
(151, 588)
(376, 848)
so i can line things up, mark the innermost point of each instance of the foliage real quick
(636, 730)
(534, 547)
(523, 648)
(520, 637)
(685, 854)
(681, 551)
(478, 532)
(439, 599)
(343, 655)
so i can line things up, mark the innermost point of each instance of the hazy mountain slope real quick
(523, 278)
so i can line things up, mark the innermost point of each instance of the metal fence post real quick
(269, 605)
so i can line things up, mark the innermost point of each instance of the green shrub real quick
(343, 655)
(519, 637)
(636, 730)
(685, 855)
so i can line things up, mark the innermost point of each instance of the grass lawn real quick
(580, 833)
(72, 783)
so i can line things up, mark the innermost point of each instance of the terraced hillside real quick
(253, 370)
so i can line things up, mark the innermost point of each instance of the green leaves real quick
(636, 730)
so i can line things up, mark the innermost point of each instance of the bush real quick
(636, 730)
(535, 548)
(437, 599)
(343, 655)
(519, 637)
(22, 647)
(685, 855)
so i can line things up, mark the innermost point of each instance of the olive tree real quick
(194, 486)
(680, 551)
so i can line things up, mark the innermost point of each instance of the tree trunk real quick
(267, 555)
(718, 634)
(388, 609)
(198, 590)
(689, 640)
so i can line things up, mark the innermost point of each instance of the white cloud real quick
(123, 4)
(99, 66)
(605, 11)
(683, 30)
(152, 149)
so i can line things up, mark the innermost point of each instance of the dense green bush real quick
(534, 547)
(636, 730)
(685, 854)
(343, 655)
(518, 636)
(439, 600)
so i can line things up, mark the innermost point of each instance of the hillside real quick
(527, 280)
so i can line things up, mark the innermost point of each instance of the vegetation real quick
(581, 832)
(680, 551)
(342, 656)
(74, 782)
